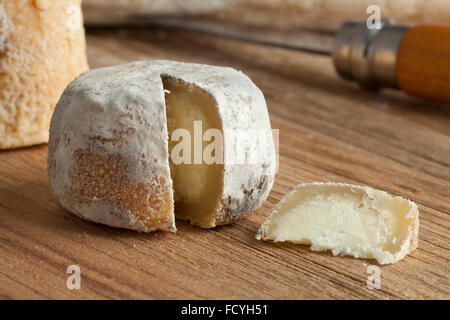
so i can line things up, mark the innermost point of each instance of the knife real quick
(415, 59)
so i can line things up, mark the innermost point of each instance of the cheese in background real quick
(346, 219)
(112, 145)
(42, 49)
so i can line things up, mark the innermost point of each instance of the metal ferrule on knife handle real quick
(416, 59)
(367, 56)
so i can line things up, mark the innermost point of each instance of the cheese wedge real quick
(125, 146)
(346, 219)
(42, 49)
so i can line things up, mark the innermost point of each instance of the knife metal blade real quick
(308, 40)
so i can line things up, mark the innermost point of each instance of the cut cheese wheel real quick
(42, 49)
(346, 219)
(128, 143)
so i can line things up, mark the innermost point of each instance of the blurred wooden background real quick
(330, 130)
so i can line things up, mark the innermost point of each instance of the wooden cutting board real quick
(330, 130)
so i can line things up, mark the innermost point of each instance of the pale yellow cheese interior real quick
(197, 187)
(344, 220)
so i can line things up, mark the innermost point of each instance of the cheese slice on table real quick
(42, 49)
(346, 219)
(125, 146)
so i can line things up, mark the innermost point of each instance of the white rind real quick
(410, 241)
(110, 104)
(120, 112)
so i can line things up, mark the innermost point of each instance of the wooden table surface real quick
(330, 130)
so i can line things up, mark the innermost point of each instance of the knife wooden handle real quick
(415, 59)
(423, 62)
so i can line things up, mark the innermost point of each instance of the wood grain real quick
(423, 62)
(330, 130)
